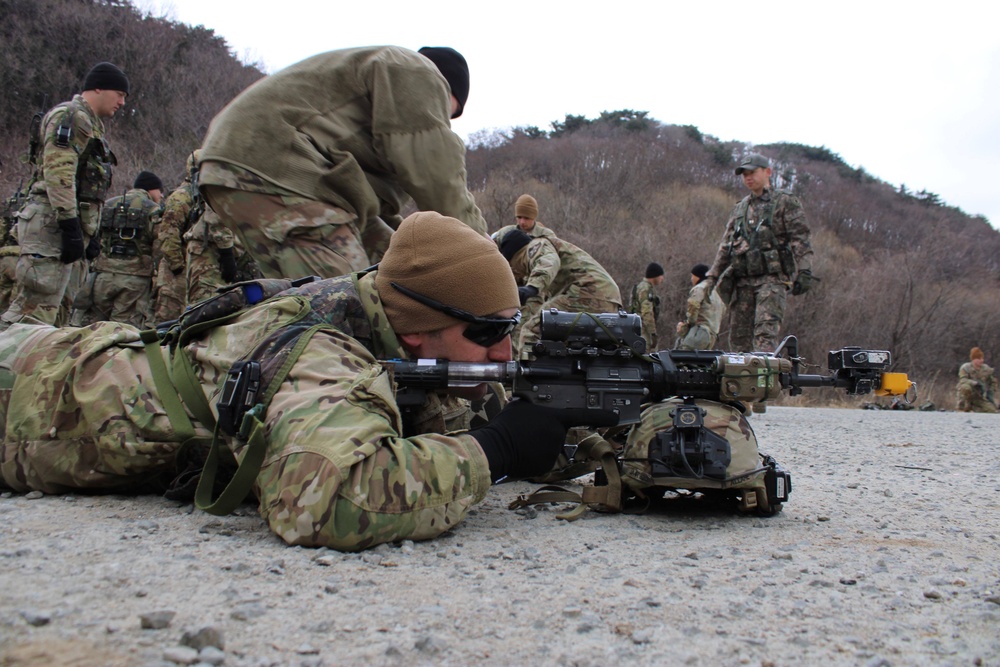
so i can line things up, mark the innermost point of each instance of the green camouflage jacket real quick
(554, 266)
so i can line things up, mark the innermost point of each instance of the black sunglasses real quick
(485, 331)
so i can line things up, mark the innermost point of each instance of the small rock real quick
(822, 518)
(307, 649)
(156, 620)
(36, 618)
(211, 655)
(33, 495)
(995, 599)
(848, 582)
(932, 595)
(430, 644)
(199, 638)
(642, 637)
(247, 611)
(182, 655)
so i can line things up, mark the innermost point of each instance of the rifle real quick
(597, 362)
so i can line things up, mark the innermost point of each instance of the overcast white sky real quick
(908, 90)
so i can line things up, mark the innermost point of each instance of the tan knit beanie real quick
(444, 259)
(526, 207)
(976, 353)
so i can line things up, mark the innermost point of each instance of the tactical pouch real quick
(772, 262)
(787, 260)
(756, 264)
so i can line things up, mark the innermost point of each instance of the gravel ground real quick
(886, 554)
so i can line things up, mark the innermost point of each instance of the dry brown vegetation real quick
(900, 270)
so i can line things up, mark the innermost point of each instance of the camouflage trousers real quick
(113, 297)
(573, 301)
(698, 337)
(971, 399)
(202, 273)
(44, 290)
(80, 409)
(756, 313)
(168, 294)
(293, 236)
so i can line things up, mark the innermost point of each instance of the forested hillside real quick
(899, 270)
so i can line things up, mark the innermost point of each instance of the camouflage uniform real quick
(977, 388)
(203, 275)
(119, 288)
(701, 328)
(71, 180)
(567, 278)
(646, 304)
(312, 165)
(537, 232)
(344, 467)
(9, 250)
(168, 251)
(765, 243)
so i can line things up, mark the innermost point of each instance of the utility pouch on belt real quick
(239, 394)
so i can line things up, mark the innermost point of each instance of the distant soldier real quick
(646, 304)
(71, 180)
(312, 165)
(525, 219)
(181, 210)
(120, 286)
(9, 250)
(766, 248)
(700, 329)
(977, 385)
(552, 273)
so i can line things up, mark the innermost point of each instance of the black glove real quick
(803, 281)
(93, 248)
(525, 293)
(525, 439)
(227, 264)
(72, 240)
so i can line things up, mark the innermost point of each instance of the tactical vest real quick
(127, 226)
(637, 302)
(765, 254)
(95, 166)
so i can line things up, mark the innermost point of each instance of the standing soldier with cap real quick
(120, 286)
(646, 303)
(704, 313)
(71, 180)
(766, 249)
(311, 166)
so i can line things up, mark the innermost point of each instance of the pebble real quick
(156, 620)
(36, 618)
(33, 495)
(182, 655)
(199, 638)
(211, 655)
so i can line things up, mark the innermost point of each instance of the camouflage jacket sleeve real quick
(696, 298)
(790, 224)
(171, 225)
(59, 164)
(722, 254)
(217, 233)
(544, 264)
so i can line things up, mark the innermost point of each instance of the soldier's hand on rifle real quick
(525, 439)
(72, 240)
(227, 264)
(94, 247)
(804, 280)
(525, 293)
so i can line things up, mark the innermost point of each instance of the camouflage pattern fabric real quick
(42, 280)
(744, 470)
(646, 304)
(704, 316)
(766, 243)
(290, 236)
(567, 278)
(122, 285)
(344, 466)
(8, 268)
(539, 231)
(168, 293)
(977, 388)
(202, 242)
